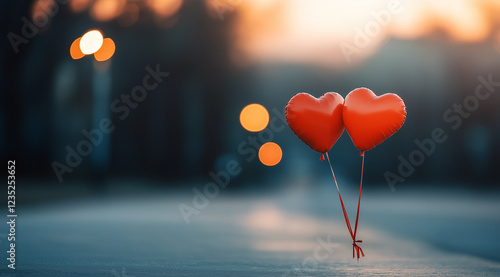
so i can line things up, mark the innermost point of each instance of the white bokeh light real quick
(91, 42)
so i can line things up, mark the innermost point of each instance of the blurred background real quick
(222, 55)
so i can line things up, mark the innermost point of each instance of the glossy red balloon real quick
(371, 119)
(316, 121)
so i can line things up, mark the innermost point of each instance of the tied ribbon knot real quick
(356, 249)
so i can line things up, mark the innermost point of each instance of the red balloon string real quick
(359, 196)
(356, 249)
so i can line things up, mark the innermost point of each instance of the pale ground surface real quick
(404, 234)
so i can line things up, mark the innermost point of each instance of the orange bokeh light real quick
(105, 10)
(270, 154)
(41, 8)
(106, 51)
(75, 51)
(78, 5)
(165, 8)
(129, 16)
(254, 117)
(92, 42)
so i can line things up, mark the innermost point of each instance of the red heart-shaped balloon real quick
(316, 121)
(371, 119)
